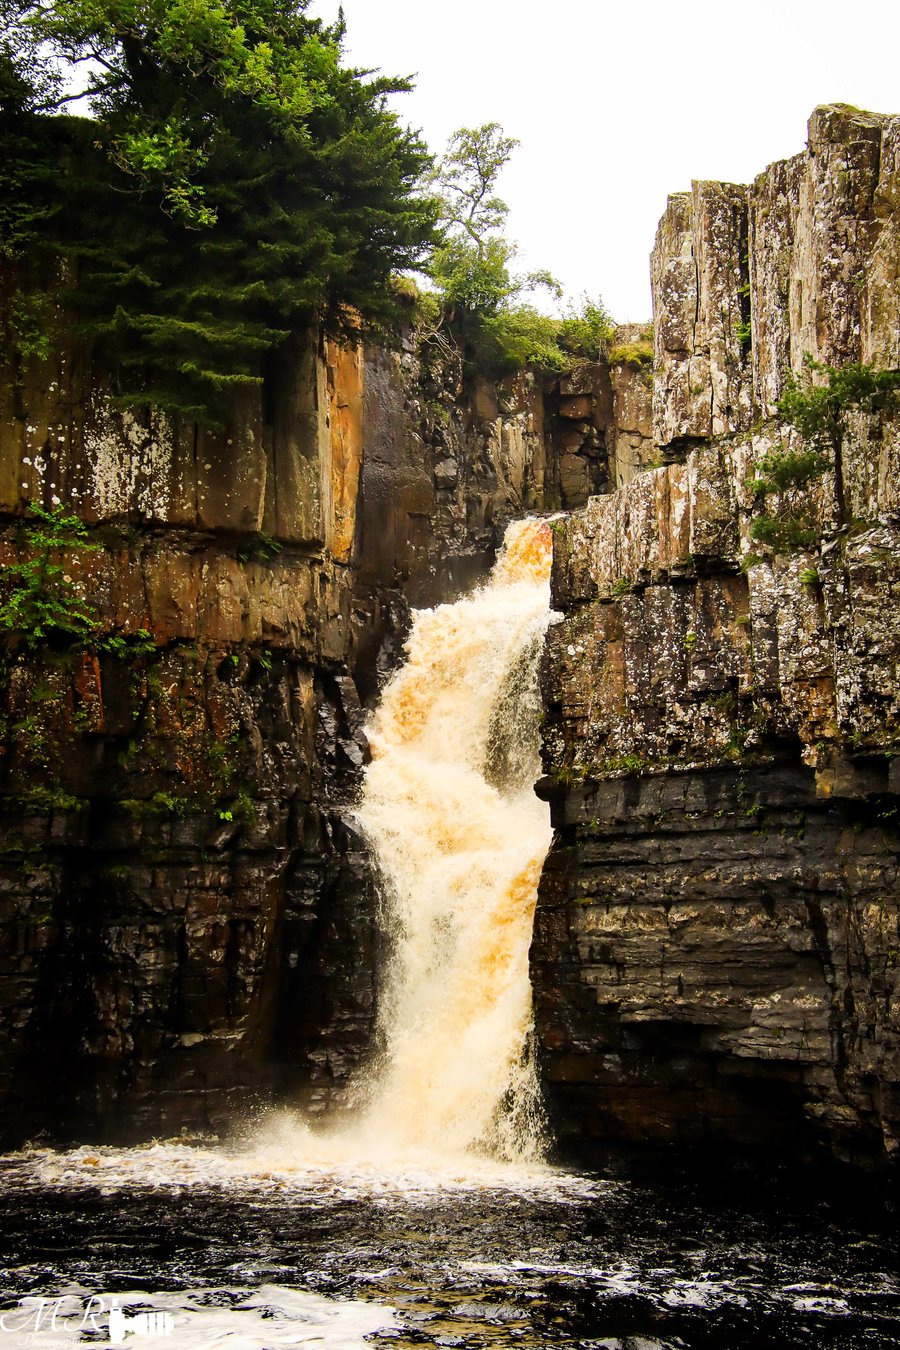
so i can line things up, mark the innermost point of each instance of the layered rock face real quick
(165, 832)
(452, 456)
(187, 913)
(717, 940)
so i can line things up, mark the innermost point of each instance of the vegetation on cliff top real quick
(234, 183)
(481, 301)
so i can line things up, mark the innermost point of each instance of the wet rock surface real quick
(188, 912)
(713, 960)
(716, 946)
(645, 1255)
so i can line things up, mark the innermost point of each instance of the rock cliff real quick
(718, 934)
(186, 911)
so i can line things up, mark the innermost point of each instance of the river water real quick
(253, 1251)
(432, 1219)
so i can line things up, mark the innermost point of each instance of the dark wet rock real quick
(716, 946)
(187, 914)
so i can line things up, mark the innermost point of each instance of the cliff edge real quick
(718, 935)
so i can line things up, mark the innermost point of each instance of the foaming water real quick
(432, 1220)
(286, 1156)
(451, 1102)
(204, 1319)
(245, 1256)
(460, 838)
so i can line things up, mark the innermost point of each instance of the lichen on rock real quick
(715, 957)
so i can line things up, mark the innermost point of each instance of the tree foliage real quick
(244, 181)
(484, 299)
(819, 412)
(468, 174)
(472, 265)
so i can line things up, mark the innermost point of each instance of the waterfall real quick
(459, 837)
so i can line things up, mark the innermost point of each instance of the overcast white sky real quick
(618, 104)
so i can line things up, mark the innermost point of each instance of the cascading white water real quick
(460, 837)
(449, 807)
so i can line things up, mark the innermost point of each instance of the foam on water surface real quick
(287, 1156)
(267, 1318)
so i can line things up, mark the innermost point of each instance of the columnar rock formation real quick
(716, 954)
(187, 912)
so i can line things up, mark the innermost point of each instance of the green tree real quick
(818, 410)
(468, 174)
(483, 298)
(248, 183)
(472, 266)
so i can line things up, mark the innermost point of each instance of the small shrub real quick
(638, 355)
(818, 412)
(242, 809)
(587, 329)
(126, 646)
(260, 548)
(623, 764)
(42, 602)
(783, 533)
(785, 469)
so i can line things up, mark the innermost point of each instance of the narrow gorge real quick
(191, 925)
